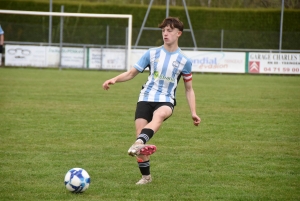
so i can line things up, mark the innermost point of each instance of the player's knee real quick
(162, 115)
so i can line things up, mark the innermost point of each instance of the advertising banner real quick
(136, 54)
(17, 55)
(53, 56)
(71, 57)
(273, 63)
(217, 62)
(106, 58)
(41, 56)
(94, 58)
(113, 59)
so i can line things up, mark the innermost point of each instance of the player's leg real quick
(142, 137)
(144, 132)
(143, 115)
(161, 112)
(142, 160)
(159, 116)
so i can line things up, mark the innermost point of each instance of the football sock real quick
(144, 167)
(146, 135)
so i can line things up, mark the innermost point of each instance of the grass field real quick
(246, 148)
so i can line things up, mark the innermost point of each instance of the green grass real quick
(246, 148)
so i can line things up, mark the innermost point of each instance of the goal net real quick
(67, 40)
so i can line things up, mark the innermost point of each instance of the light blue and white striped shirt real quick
(1, 30)
(165, 70)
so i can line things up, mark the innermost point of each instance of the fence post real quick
(61, 36)
(84, 56)
(50, 23)
(107, 35)
(222, 38)
(281, 22)
(101, 57)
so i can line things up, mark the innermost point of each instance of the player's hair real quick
(174, 22)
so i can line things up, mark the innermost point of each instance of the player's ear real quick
(179, 33)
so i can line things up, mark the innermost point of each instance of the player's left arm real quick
(190, 96)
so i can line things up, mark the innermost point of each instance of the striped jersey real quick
(165, 71)
(1, 30)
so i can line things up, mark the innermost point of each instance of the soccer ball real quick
(77, 180)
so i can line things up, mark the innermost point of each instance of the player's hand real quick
(196, 120)
(106, 84)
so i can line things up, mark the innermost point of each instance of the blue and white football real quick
(77, 180)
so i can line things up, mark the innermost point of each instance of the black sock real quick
(144, 167)
(146, 135)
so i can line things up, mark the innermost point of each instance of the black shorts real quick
(146, 109)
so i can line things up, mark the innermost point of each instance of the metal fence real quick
(112, 36)
(207, 3)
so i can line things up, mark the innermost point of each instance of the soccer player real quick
(156, 101)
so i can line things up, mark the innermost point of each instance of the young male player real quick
(156, 101)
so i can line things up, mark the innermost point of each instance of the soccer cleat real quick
(144, 180)
(141, 149)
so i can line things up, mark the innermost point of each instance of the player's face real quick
(170, 35)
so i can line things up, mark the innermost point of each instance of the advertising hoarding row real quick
(115, 59)
(47, 56)
(274, 63)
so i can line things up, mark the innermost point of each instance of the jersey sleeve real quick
(1, 30)
(187, 71)
(143, 62)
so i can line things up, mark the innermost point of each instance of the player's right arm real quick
(123, 77)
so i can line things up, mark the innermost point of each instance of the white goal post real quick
(63, 14)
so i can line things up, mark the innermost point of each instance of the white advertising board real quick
(113, 59)
(217, 62)
(41, 56)
(94, 58)
(17, 55)
(106, 58)
(274, 63)
(53, 56)
(136, 54)
(71, 57)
